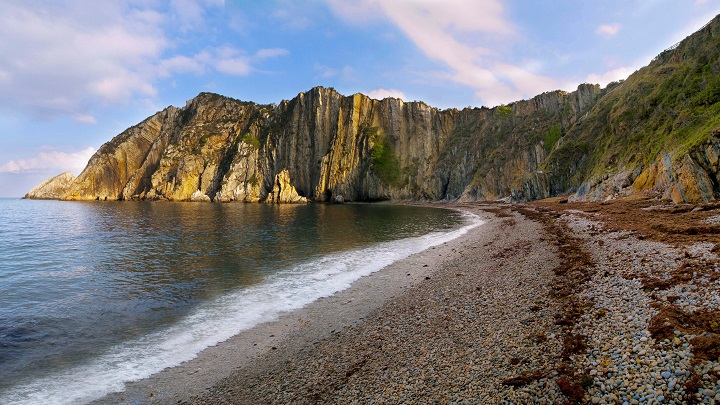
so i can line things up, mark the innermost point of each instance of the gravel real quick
(477, 324)
(455, 338)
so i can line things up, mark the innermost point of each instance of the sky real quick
(76, 73)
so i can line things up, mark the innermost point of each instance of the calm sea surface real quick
(93, 295)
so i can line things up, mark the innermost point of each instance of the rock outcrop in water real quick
(656, 131)
(52, 188)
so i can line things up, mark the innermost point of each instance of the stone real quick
(198, 196)
(283, 191)
(53, 188)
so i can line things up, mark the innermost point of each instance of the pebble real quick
(620, 346)
(625, 363)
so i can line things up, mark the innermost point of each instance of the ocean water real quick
(93, 295)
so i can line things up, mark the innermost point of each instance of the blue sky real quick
(75, 73)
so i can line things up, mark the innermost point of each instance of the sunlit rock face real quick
(321, 145)
(52, 188)
(658, 131)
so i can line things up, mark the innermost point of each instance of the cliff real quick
(324, 146)
(656, 131)
(52, 188)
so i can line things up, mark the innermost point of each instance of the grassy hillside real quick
(668, 107)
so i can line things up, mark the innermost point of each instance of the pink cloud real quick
(468, 36)
(608, 29)
(54, 160)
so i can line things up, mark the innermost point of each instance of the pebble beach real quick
(545, 303)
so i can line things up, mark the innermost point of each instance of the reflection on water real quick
(77, 278)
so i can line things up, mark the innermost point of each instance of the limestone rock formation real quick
(283, 191)
(52, 188)
(656, 131)
(692, 178)
(221, 149)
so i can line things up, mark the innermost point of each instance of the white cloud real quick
(292, 19)
(470, 37)
(84, 119)
(232, 61)
(190, 14)
(271, 53)
(234, 66)
(608, 29)
(54, 160)
(614, 75)
(59, 56)
(65, 57)
(180, 64)
(381, 93)
(356, 12)
(346, 73)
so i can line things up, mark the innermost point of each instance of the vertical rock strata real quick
(329, 145)
(658, 131)
(52, 188)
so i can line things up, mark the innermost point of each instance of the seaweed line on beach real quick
(576, 267)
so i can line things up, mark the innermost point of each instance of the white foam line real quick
(221, 319)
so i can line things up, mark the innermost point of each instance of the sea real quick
(96, 294)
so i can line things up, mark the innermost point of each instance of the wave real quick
(217, 321)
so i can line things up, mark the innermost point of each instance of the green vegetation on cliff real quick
(552, 136)
(669, 106)
(249, 139)
(385, 161)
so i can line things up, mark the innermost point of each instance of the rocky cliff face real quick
(52, 188)
(324, 146)
(653, 131)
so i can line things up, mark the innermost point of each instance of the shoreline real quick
(293, 331)
(478, 318)
(546, 302)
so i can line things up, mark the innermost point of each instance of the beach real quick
(547, 302)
